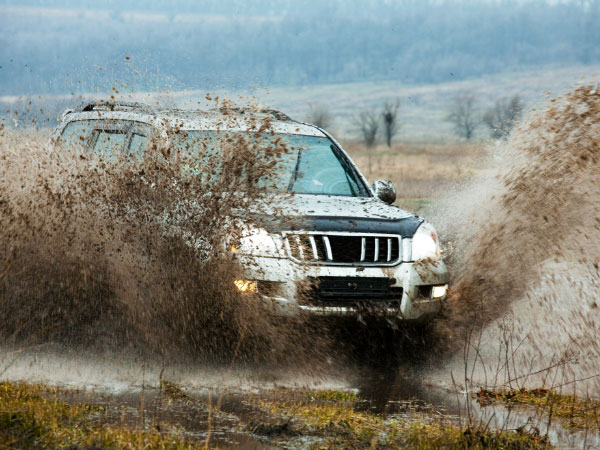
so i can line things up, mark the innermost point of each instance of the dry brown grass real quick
(420, 171)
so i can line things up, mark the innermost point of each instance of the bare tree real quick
(463, 113)
(390, 120)
(319, 115)
(503, 116)
(367, 122)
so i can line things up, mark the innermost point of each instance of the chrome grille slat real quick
(363, 248)
(328, 248)
(313, 245)
(340, 248)
(300, 249)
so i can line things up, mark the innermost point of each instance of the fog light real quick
(439, 291)
(245, 286)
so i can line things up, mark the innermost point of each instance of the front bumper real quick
(413, 277)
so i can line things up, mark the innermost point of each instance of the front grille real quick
(344, 248)
(353, 291)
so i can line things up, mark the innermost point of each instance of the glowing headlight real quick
(425, 243)
(245, 286)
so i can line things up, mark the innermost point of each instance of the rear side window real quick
(109, 137)
(76, 133)
(140, 135)
(109, 142)
(138, 144)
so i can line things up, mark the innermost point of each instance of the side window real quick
(110, 136)
(140, 136)
(76, 133)
(138, 143)
(109, 141)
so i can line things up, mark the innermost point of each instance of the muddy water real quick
(226, 416)
(394, 393)
(130, 390)
(190, 414)
(526, 257)
(109, 253)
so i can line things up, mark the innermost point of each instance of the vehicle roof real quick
(225, 119)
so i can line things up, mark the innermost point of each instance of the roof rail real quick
(117, 105)
(276, 114)
(111, 105)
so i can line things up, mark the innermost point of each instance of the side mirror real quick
(385, 191)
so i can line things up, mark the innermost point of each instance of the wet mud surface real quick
(236, 417)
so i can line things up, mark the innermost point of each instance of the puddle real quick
(189, 415)
(238, 422)
(396, 393)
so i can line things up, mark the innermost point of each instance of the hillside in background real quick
(424, 107)
(422, 114)
(65, 47)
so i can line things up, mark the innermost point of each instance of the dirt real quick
(526, 257)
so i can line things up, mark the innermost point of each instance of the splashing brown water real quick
(531, 250)
(87, 261)
(111, 253)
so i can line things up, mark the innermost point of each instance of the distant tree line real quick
(239, 44)
(466, 116)
(464, 113)
(369, 122)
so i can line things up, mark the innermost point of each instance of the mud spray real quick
(103, 254)
(525, 257)
(106, 255)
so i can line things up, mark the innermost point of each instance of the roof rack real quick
(276, 114)
(117, 105)
(111, 105)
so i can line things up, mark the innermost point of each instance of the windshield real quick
(310, 164)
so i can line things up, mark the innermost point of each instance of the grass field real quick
(420, 171)
(425, 107)
(423, 111)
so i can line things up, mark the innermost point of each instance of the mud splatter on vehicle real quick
(523, 308)
(114, 252)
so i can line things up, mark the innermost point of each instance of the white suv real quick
(353, 253)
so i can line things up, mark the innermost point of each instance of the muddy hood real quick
(334, 213)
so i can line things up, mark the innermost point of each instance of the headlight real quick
(258, 242)
(425, 243)
(246, 286)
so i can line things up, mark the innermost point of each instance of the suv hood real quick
(335, 213)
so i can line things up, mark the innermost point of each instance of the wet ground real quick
(233, 416)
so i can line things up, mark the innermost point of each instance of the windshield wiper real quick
(296, 171)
